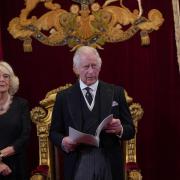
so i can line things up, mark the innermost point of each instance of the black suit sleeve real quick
(125, 117)
(57, 125)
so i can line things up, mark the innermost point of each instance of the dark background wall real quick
(149, 74)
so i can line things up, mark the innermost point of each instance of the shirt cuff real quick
(63, 148)
(121, 133)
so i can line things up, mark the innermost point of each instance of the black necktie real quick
(88, 95)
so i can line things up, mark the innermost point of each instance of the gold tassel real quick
(145, 40)
(27, 45)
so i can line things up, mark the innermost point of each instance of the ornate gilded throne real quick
(50, 158)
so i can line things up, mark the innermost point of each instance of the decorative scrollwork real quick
(134, 175)
(51, 96)
(87, 24)
(38, 114)
(136, 113)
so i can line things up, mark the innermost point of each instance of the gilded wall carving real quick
(176, 11)
(87, 23)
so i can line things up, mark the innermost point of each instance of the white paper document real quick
(80, 137)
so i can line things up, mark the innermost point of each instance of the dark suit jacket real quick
(15, 127)
(67, 112)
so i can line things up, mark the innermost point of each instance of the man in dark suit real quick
(83, 106)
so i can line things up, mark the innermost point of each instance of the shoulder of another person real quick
(20, 100)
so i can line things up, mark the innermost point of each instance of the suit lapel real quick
(74, 105)
(106, 99)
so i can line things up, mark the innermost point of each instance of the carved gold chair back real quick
(51, 157)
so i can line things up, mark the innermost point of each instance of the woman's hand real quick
(4, 169)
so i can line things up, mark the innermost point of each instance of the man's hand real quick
(114, 126)
(4, 169)
(68, 144)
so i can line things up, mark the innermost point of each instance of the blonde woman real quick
(14, 126)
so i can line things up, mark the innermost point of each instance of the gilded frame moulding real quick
(176, 12)
(87, 23)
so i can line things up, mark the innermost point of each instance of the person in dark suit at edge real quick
(74, 109)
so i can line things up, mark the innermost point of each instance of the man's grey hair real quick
(14, 80)
(85, 50)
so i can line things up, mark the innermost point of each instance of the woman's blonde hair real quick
(14, 80)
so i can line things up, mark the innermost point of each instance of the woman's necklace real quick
(5, 106)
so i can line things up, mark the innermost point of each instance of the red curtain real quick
(1, 51)
(149, 74)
